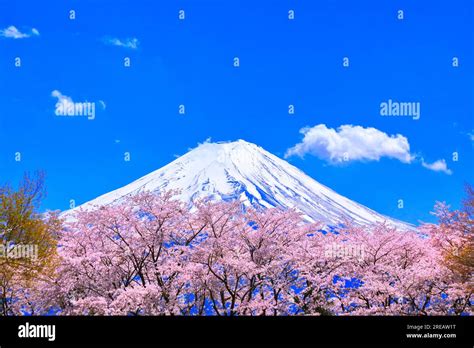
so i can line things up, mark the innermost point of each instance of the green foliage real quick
(24, 228)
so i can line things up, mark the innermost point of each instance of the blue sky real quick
(282, 62)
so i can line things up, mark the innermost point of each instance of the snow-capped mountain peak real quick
(244, 171)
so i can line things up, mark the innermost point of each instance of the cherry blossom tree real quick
(123, 259)
(150, 255)
(245, 263)
(395, 273)
(453, 238)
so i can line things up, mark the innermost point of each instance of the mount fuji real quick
(246, 172)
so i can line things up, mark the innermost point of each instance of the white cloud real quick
(471, 135)
(13, 33)
(208, 140)
(131, 43)
(437, 166)
(351, 143)
(63, 100)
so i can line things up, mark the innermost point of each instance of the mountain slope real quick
(245, 171)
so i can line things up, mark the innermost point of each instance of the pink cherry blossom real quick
(150, 255)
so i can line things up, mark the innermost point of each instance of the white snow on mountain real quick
(244, 171)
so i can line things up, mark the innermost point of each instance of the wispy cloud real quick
(131, 43)
(471, 135)
(62, 99)
(208, 140)
(437, 166)
(13, 33)
(351, 143)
